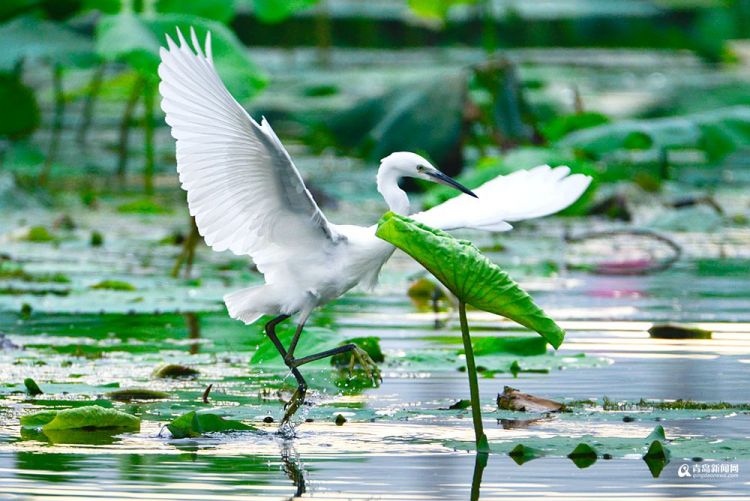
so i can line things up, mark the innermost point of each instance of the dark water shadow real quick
(293, 467)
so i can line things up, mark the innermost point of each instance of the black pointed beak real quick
(441, 178)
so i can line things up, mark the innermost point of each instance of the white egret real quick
(247, 197)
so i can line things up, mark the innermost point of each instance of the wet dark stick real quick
(471, 370)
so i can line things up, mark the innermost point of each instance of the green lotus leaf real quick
(31, 387)
(136, 40)
(90, 417)
(38, 419)
(468, 274)
(522, 454)
(657, 434)
(274, 11)
(195, 424)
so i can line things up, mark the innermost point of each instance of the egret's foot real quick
(293, 405)
(361, 357)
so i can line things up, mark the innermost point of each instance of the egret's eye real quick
(420, 168)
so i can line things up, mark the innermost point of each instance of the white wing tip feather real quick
(204, 52)
(523, 194)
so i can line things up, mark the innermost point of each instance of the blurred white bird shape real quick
(248, 197)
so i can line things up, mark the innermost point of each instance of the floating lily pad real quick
(130, 394)
(175, 371)
(114, 285)
(38, 419)
(39, 234)
(671, 331)
(91, 417)
(194, 424)
(522, 454)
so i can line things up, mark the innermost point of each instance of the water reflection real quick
(192, 322)
(293, 467)
(480, 463)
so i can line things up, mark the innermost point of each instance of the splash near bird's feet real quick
(292, 406)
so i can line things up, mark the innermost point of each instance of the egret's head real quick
(407, 164)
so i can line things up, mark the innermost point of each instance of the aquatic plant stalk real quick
(188, 251)
(149, 89)
(87, 113)
(57, 123)
(471, 370)
(127, 116)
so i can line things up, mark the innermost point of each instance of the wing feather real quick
(242, 186)
(524, 194)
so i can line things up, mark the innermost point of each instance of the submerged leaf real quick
(464, 270)
(92, 417)
(195, 424)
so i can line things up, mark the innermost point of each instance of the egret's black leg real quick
(271, 333)
(304, 315)
(367, 364)
(270, 329)
(323, 354)
(298, 397)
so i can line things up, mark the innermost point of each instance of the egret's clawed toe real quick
(361, 357)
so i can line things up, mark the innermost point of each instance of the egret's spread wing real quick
(524, 194)
(243, 189)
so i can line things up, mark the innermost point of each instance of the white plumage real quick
(248, 197)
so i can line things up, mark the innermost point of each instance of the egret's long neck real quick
(394, 196)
